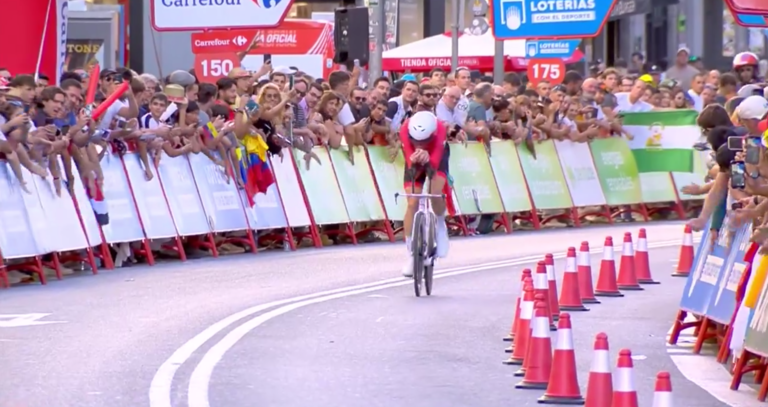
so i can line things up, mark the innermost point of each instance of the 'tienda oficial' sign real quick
(192, 15)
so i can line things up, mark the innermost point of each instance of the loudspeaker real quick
(350, 35)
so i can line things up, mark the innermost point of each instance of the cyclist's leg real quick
(437, 187)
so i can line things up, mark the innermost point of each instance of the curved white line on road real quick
(161, 387)
(199, 382)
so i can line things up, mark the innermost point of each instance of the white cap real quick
(753, 107)
(283, 70)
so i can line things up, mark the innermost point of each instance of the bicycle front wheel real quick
(418, 251)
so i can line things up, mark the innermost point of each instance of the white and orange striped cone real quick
(570, 299)
(541, 286)
(642, 262)
(606, 279)
(584, 267)
(554, 305)
(523, 333)
(538, 359)
(511, 336)
(563, 387)
(627, 280)
(600, 384)
(685, 260)
(662, 396)
(624, 392)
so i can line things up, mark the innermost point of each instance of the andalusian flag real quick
(663, 141)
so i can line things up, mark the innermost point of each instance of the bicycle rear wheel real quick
(418, 251)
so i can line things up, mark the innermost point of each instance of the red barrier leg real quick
(680, 325)
(4, 281)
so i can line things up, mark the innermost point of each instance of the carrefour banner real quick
(663, 141)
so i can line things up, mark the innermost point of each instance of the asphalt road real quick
(294, 334)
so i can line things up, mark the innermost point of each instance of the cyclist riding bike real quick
(424, 144)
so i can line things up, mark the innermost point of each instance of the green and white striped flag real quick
(663, 141)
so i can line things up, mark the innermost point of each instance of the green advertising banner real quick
(509, 176)
(657, 187)
(473, 178)
(323, 193)
(357, 187)
(544, 174)
(696, 177)
(617, 171)
(389, 176)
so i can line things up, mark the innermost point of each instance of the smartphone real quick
(65, 129)
(291, 81)
(267, 58)
(738, 175)
(736, 143)
(752, 156)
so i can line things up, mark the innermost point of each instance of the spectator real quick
(401, 107)
(478, 122)
(511, 83)
(428, 97)
(631, 101)
(682, 71)
(728, 85)
(437, 78)
(572, 82)
(695, 91)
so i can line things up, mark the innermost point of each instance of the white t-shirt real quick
(346, 117)
(461, 110)
(111, 113)
(569, 124)
(148, 122)
(698, 102)
(624, 105)
(444, 113)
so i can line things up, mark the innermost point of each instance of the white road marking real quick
(705, 372)
(161, 386)
(18, 320)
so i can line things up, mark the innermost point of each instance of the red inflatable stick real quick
(110, 99)
(93, 84)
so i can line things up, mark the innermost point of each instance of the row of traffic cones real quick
(557, 375)
(577, 290)
(538, 307)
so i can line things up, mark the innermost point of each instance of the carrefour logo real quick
(200, 3)
(268, 3)
(203, 3)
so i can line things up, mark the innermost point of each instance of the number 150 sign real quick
(550, 70)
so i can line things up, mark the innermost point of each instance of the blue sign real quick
(723, 302)
(562, 19)
(750, 20)
(705, 273)
(551, 48)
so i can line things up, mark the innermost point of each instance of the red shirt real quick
(435, 146)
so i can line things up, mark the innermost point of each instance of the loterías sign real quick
(192, 15)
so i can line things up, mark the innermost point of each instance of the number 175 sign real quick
(550, 70)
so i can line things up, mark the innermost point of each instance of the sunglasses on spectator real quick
(360, 98)
(429, 95)
(559, 88)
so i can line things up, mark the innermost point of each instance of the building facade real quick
(655, 28)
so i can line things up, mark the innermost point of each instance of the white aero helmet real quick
(422, 125)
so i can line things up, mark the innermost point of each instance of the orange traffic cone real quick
(662, 397)
(624, 394)
(541, 286)
(584, 267)
(685, 260)
(554, 306)
(511, 336)
(570, 299)
(642, 264)
(538, 359)
(563, 385)
(606, 280)
(523, 333)
(600, 385)
(627, 279)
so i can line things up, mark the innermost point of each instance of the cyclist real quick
(424, 143)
